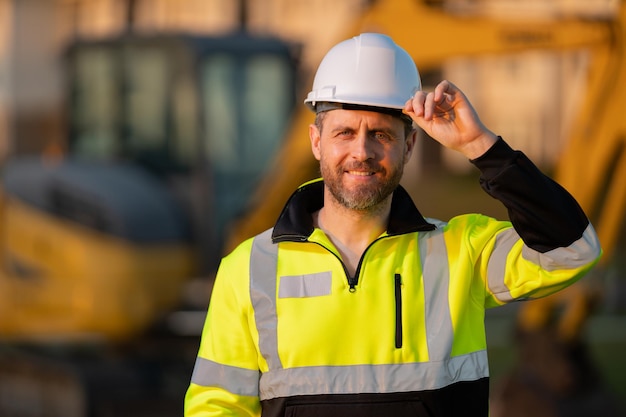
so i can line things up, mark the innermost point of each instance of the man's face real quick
(362, 156)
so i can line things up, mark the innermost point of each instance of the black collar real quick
(295, 222)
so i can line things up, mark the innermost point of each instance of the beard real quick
(366, 197)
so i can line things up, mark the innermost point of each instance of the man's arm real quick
(558, 246)
(544, 214)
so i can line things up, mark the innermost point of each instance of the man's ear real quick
(409, 145)
(315, 137)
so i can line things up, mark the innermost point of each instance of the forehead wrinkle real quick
(352, 120)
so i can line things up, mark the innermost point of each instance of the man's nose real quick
(362, 147)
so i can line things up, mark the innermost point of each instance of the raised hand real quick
(448, 117)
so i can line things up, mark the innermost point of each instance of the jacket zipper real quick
(352, 280)
(398, 293)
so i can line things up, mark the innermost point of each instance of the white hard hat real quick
(368, 70)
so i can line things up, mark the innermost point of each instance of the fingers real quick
(443, 90)
(425, 105)
(421, 105)
(445, 95)
(414, 107)
(447, 116)
(430, 105)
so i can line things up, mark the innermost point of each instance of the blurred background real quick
(141, 140)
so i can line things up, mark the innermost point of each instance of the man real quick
(356, 305)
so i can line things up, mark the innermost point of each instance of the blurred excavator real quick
(168, 135)
(171, 141)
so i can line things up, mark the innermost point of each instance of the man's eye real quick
(381, 136)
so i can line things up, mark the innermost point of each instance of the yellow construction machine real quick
(100, 236)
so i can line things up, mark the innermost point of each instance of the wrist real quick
(476, 148)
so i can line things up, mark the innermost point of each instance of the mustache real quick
(362, 166)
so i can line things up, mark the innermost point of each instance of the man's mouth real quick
(361, 173)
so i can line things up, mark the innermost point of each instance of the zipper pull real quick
(352, 283)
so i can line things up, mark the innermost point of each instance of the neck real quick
(351, 231)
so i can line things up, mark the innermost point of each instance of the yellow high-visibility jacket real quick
(290, 333)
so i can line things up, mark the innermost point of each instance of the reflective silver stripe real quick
(239, 381)
(310, 285)
(496, 268)
(373, 378)
(263, 260)
(580, 253)
(436, 276)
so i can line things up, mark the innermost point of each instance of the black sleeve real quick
(544, 214)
